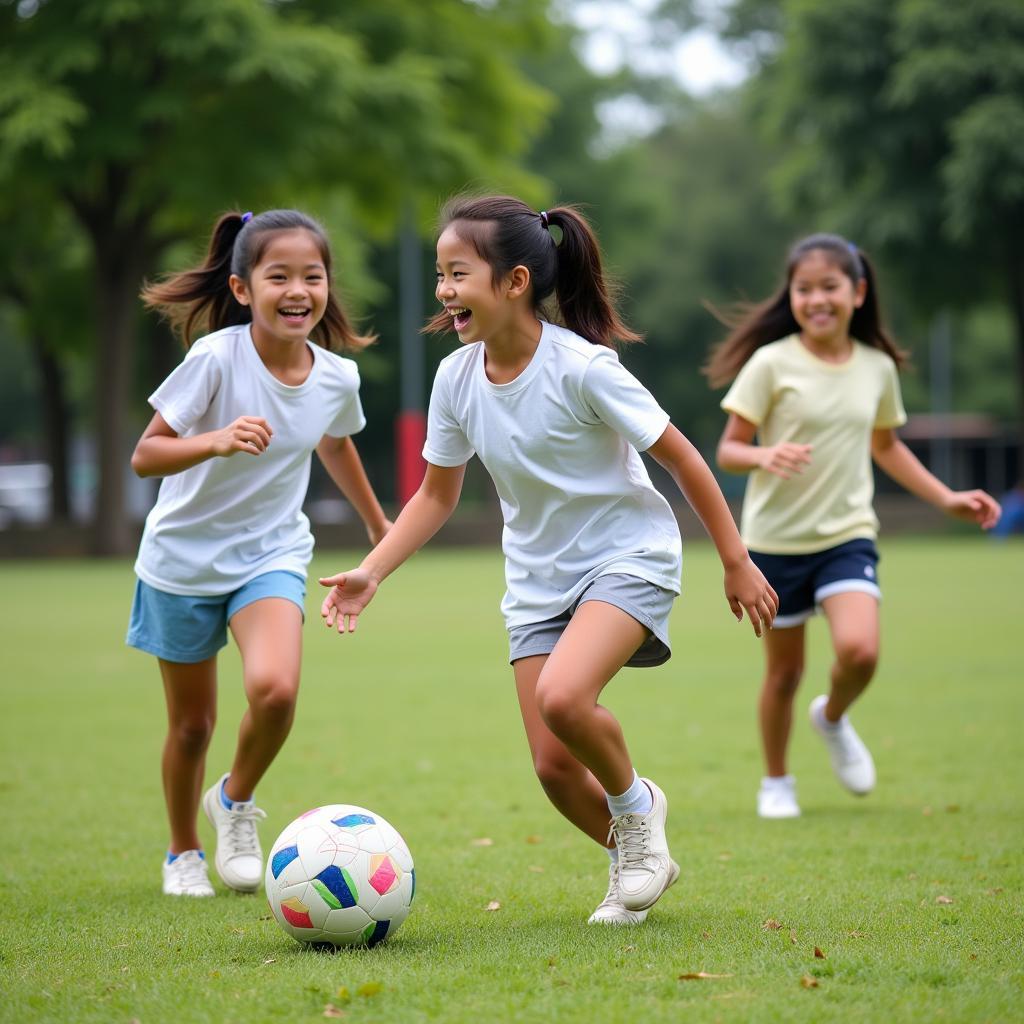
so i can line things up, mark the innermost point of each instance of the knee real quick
(783, 680)
(560, 710)
(857, 658)
(556, 771)
(192, 735)
(273, 698)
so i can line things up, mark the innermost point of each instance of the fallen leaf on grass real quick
(792, 936)
(369, 988)
(536, 869)
(343, 994)
(701, 976)
(493, 905)
(818, 953)
(857, 935)
(952, 808)
(926, 811)
(534, 840)
(482, 841)
(705, 935)
(271, 960)
(994, 892)
(771, 925)
(944, 900)
(330, 1010)
(808, 982)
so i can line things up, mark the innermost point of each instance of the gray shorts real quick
(648, 603)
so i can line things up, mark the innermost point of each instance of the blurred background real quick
(702, 137)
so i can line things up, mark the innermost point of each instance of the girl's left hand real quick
(748, 590)
(974, 507)
(378, 533)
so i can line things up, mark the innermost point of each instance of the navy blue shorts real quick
(804, 581)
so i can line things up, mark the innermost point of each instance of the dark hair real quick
(507, 233)
(757, 325)
(199, 301)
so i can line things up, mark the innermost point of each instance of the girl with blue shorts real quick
(814, 377)
(227, 545)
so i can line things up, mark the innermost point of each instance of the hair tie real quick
(246, 217)
(544, 219)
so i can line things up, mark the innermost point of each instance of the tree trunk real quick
(1017, 305)
(119, 274)
(55, 425)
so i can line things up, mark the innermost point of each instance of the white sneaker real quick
(851, 760)
(186, 875)
(239, 859)
(611, 909)
(645, 868)
(777, 797)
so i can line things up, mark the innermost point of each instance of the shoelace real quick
(192, 872)
(633, 839)
(242, 838)
(611, 897)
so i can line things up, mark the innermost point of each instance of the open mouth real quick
(294, 313)
(461, 316)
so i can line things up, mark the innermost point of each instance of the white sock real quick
(819, 714)
(636, 800)
(770, 781)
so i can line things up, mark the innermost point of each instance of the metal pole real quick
(940, 378)
(410, 429)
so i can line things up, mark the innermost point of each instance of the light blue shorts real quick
(188, 629)
(648, 603)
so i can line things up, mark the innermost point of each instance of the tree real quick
(905, 123)
(144, 117)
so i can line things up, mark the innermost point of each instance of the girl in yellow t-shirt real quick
(814, 376)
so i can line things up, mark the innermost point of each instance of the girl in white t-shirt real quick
(816, 380)
(592, 550)
(227, 544)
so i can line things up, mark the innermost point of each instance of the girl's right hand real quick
(785, 459)
(350, 593)
(250, 434)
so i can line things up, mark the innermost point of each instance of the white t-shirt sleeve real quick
(187, 393)
(890, 406)
(446, 444)
(751, 393)
(619, 400)
(350, 419)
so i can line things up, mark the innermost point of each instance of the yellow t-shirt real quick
(789, 394)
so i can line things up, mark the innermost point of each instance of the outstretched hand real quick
(350, 593)
(748, 591)
(974, 507)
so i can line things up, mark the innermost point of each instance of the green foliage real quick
(913, 895)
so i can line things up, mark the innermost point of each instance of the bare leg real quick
(269, 635)
(568, 784)
(784, 655)
(191, 694)
(853, 621)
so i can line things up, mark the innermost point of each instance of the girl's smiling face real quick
(823, 300)
(465, 287)
(287, 289)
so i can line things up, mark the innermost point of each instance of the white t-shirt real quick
(227, 520)
(561, 443)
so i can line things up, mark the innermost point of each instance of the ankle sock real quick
(226, 802)
(636, 800)
(172, 857)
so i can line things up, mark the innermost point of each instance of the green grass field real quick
(913, 896)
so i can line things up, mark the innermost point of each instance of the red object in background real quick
(410, 433)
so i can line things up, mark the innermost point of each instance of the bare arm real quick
(745, 586)
(900, 463)
(345, 468)
(737, 452)
(426, 512)
(161, 452)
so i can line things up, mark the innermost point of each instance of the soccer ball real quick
(341, 875)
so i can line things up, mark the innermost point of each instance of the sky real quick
(618, 33)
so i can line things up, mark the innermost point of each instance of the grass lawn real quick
(912, 896)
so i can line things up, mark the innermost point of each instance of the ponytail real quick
(506, 233)
(199, 301)
(771, 320)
